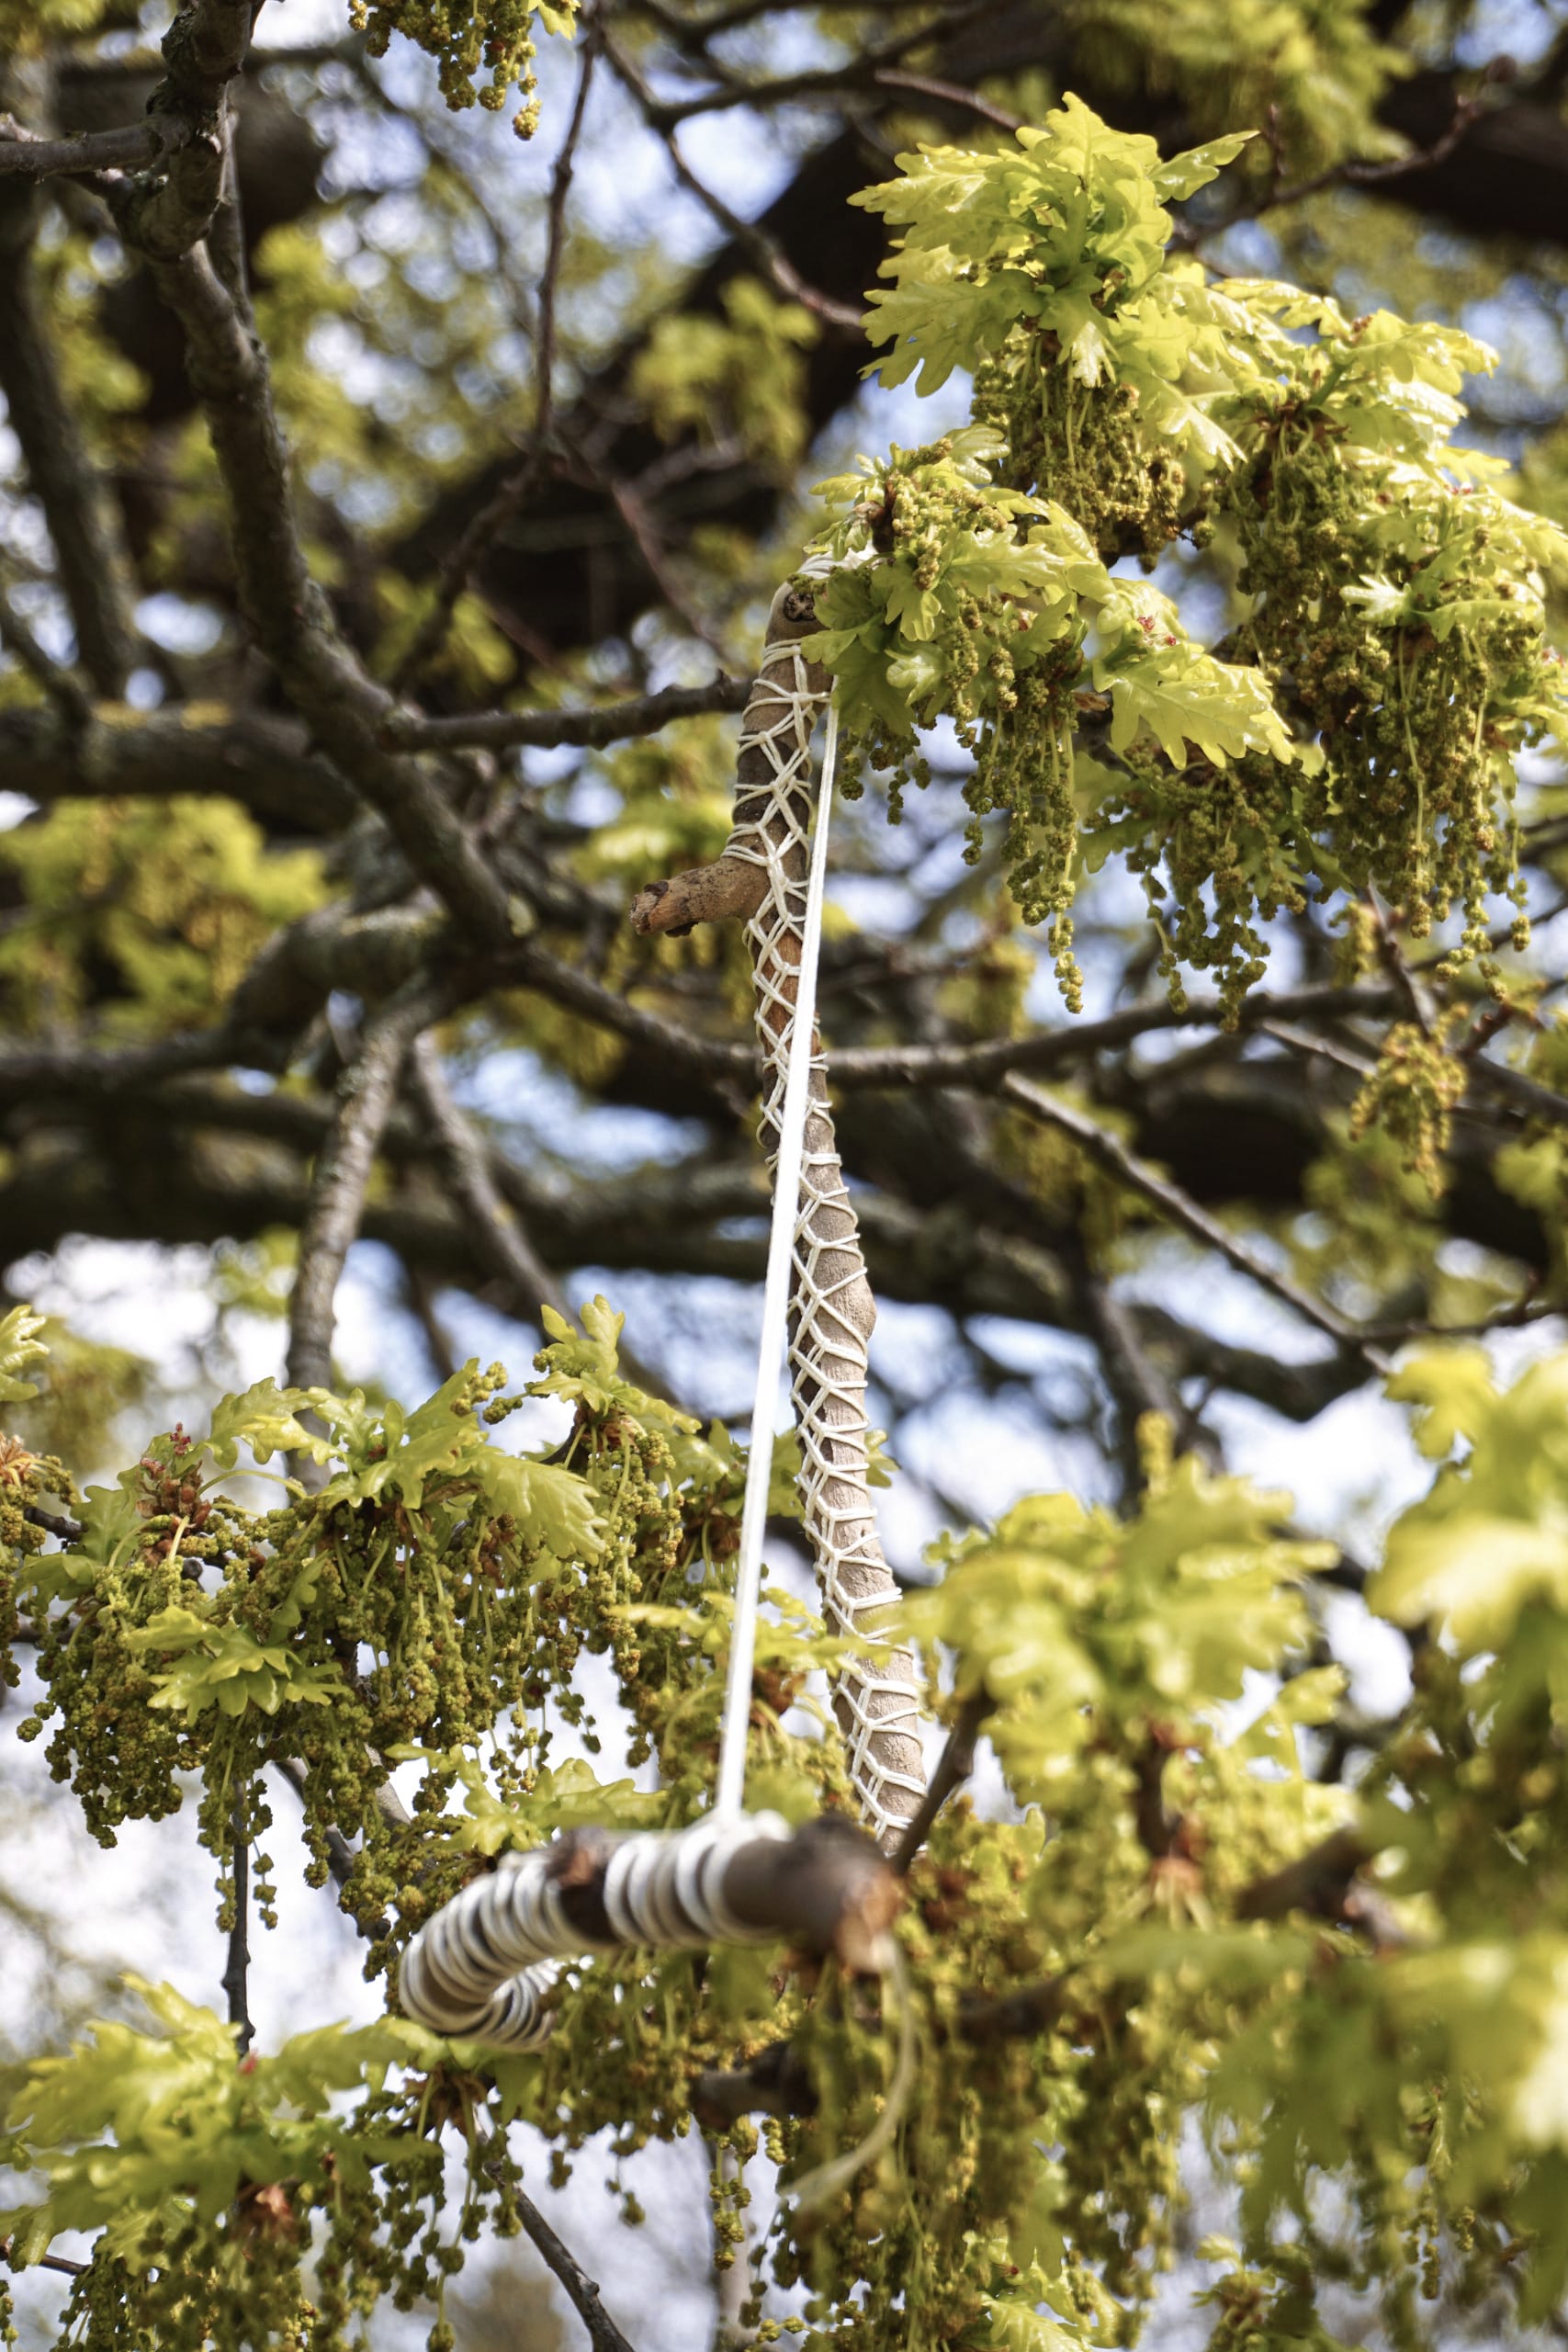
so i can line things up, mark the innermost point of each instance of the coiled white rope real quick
(481, 1968)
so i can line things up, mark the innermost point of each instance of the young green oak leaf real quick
(1159, 679)
(228, 1668)
(126, 2120)
(20, 1351)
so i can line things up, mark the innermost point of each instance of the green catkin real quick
(467, 38)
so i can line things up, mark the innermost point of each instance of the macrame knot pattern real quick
(832, 1309)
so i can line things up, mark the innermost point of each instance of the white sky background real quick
(148, 1905)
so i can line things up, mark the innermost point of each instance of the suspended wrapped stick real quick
(482, 1969)
(761, 876)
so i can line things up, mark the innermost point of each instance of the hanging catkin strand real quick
(761, 874)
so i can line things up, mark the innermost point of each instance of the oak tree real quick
(422, 523)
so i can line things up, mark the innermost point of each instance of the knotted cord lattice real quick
(481, 1968)
(833, 1310)
(484, 1966)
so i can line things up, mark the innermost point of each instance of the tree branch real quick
(289, 615)
(1113, 1156)
(60, 2262)
(548, 729)
(64, 690)
(95, 573)
(580, 2291)
(24, 155)
(259, 758)
(236, 1968)
(341, 1856)
(952, 1769)
(365, 1099)
(499, 1238)
(758, 246)
(460, 564)
(1317, 1882)
(994, 1057)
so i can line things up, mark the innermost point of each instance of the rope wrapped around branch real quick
(761, 875)
(484, 1967)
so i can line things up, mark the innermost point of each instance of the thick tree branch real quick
(95, 573)
(129, 146)
(484, 1967)
(165, 213)
(289, 615)
(111, 752)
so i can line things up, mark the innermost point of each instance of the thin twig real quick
(582, 2291)
(1356, 173)
(949, 94)
(995, 1057)
(236, 1968)
(1136, 1384)
(812, 80)
(366, 1095)
(65, 690)
(953, 1767)
(634, 513)
(341, 1856)
(555, 247)
(60, 2262)
(458, 569)
(1182, 1210)
(496, 1237)
(549, 730)
(763, 249)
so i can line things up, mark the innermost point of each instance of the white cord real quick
(797, 1049)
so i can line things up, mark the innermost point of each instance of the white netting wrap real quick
(832, 1309)
(481, 1969)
